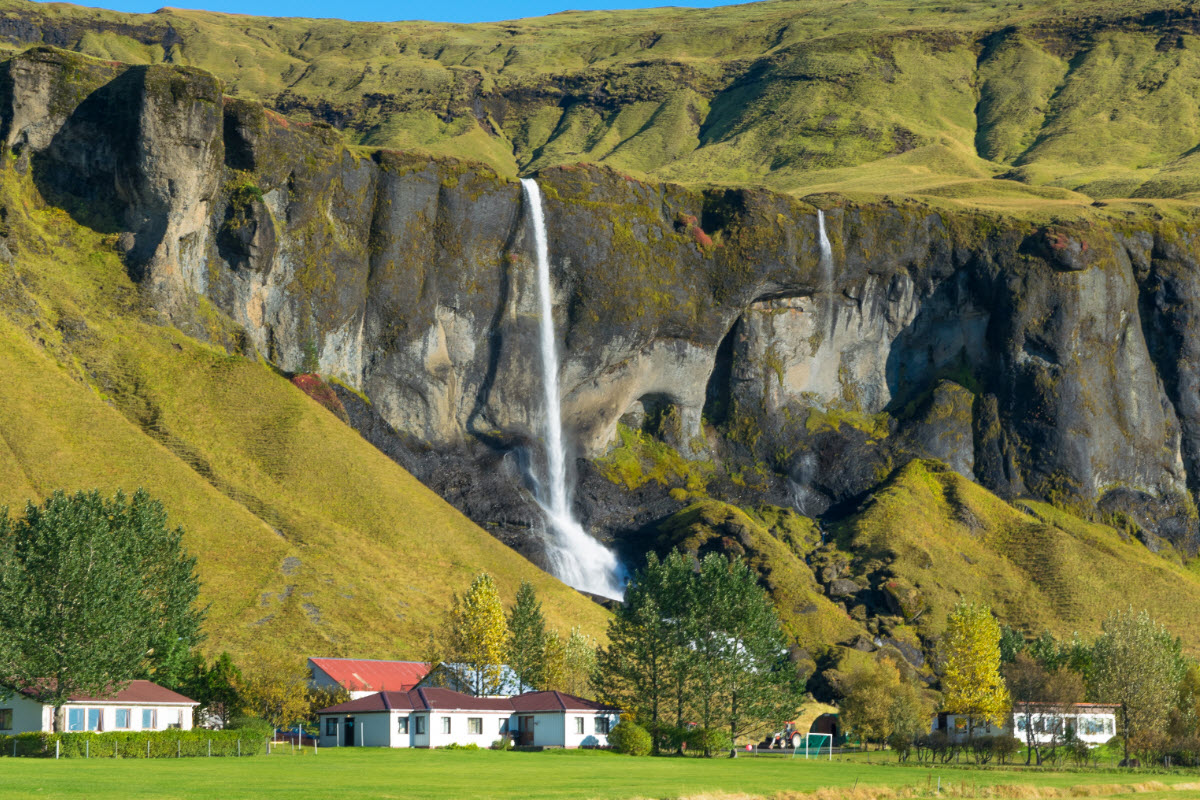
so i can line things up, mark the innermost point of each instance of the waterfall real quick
(826, 253)
(575, 557)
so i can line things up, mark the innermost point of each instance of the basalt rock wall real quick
(1054, 361)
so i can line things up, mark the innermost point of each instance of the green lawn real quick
(445, 775)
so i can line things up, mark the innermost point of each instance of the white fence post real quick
(147, 748)
(87, 747)
(210, 748)
(56, 743)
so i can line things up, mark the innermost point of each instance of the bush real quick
(902, 744)
(249, 725)
(629, 738)
(670, 738)
(133, 744)
(457, 746)
(708, 741)
(503, 743)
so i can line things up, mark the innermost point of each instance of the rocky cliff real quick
(707, 351)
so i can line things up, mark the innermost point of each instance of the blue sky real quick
(443, 11)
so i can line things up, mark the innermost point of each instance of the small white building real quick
(362, 677)
(466, 679)
(140, 706)
(436, 717)
(1093, 723)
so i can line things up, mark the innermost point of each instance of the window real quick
(5, 719)
(1108, 726)
(1021, 724)
(402, 725)
(420, 726)
(474, 726)
(602, 726)
(579, 725)
(94, 720)
(75, 719)
(331, 726)
(445, 724)
(504, 725)
(149, 719)
(124, 715)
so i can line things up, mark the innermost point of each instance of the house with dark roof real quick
(140, 706)
(436, 717)
(362, 677)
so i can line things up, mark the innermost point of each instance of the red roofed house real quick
(362, 677)
(140, 706)
(434, 717)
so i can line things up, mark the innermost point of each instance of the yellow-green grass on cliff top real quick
(949, 539)
(993, 105)
(309, 540)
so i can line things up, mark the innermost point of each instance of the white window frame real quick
(402, 724)
(153, 712)
(421, 725)
(447, 726)
(117, 719)
(474, 726)
(579, 726)
(602, 726)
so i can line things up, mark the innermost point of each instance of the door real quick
(526, 728)
(349, 739)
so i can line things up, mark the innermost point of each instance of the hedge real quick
(133, 744)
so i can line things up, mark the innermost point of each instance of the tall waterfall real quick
(575, 557)
(826, 252)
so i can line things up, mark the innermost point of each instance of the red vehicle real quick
(788, 738)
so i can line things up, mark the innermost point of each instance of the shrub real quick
(671, 739)
(709, 741)
(134, 744)
(250, 725)
(902, 743)
(503, 743)
(457, 746)
(629, 738)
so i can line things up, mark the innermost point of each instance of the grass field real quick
(446, 775)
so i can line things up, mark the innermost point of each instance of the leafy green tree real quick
(480, 633)
(274, 687)
(215, 687)
(1011, 643)
(971, 682)
(1044, 694)
(93, 593)
(744, 677)
(1138, 665)
(579, 662)
(554, 663)
(527, 637)
(644, 649)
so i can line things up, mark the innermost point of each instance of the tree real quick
(1040, 699)
(1137, 664)
(882, 703)
(554, 663)
(1011, 643)
(527, 638)
(215, 688)
(480, 633)
(274, 687)
(635, 668)
(93, 594)
(971, 682)
(579, 663)
(744, 676)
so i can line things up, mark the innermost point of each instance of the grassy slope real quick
(949, 538)
(309, 540)
(436, 774)
(1075, 99)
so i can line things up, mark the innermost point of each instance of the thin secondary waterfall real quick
(575, 557)
(826, 252)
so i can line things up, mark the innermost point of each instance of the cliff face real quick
(1056, 361)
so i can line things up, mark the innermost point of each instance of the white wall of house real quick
(425, 728)
(488, 725)
(371, 729)
(562, 728)
(1093, 727)
(30, 715)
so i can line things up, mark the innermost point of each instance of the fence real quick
(134, 744)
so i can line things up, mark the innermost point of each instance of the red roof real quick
(136, 693)
(362, 675)
(557, 701)
(434, 699)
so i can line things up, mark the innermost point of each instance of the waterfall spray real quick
(826, 252)
(575, 557)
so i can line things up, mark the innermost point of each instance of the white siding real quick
(29, 715)
(558, 729)
(489, 720)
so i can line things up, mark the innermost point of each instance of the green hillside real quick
(309, 540)
(1045, 101)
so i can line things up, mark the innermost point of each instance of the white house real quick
(140, 706)
(1093, 723)
(436, 717)
(362, 677)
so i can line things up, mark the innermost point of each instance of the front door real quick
(526, 728)
(349, 732)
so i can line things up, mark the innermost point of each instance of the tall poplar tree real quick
(1137, 663)
(93, 594)
(480, 633)
(527, 638)
(971, 682)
